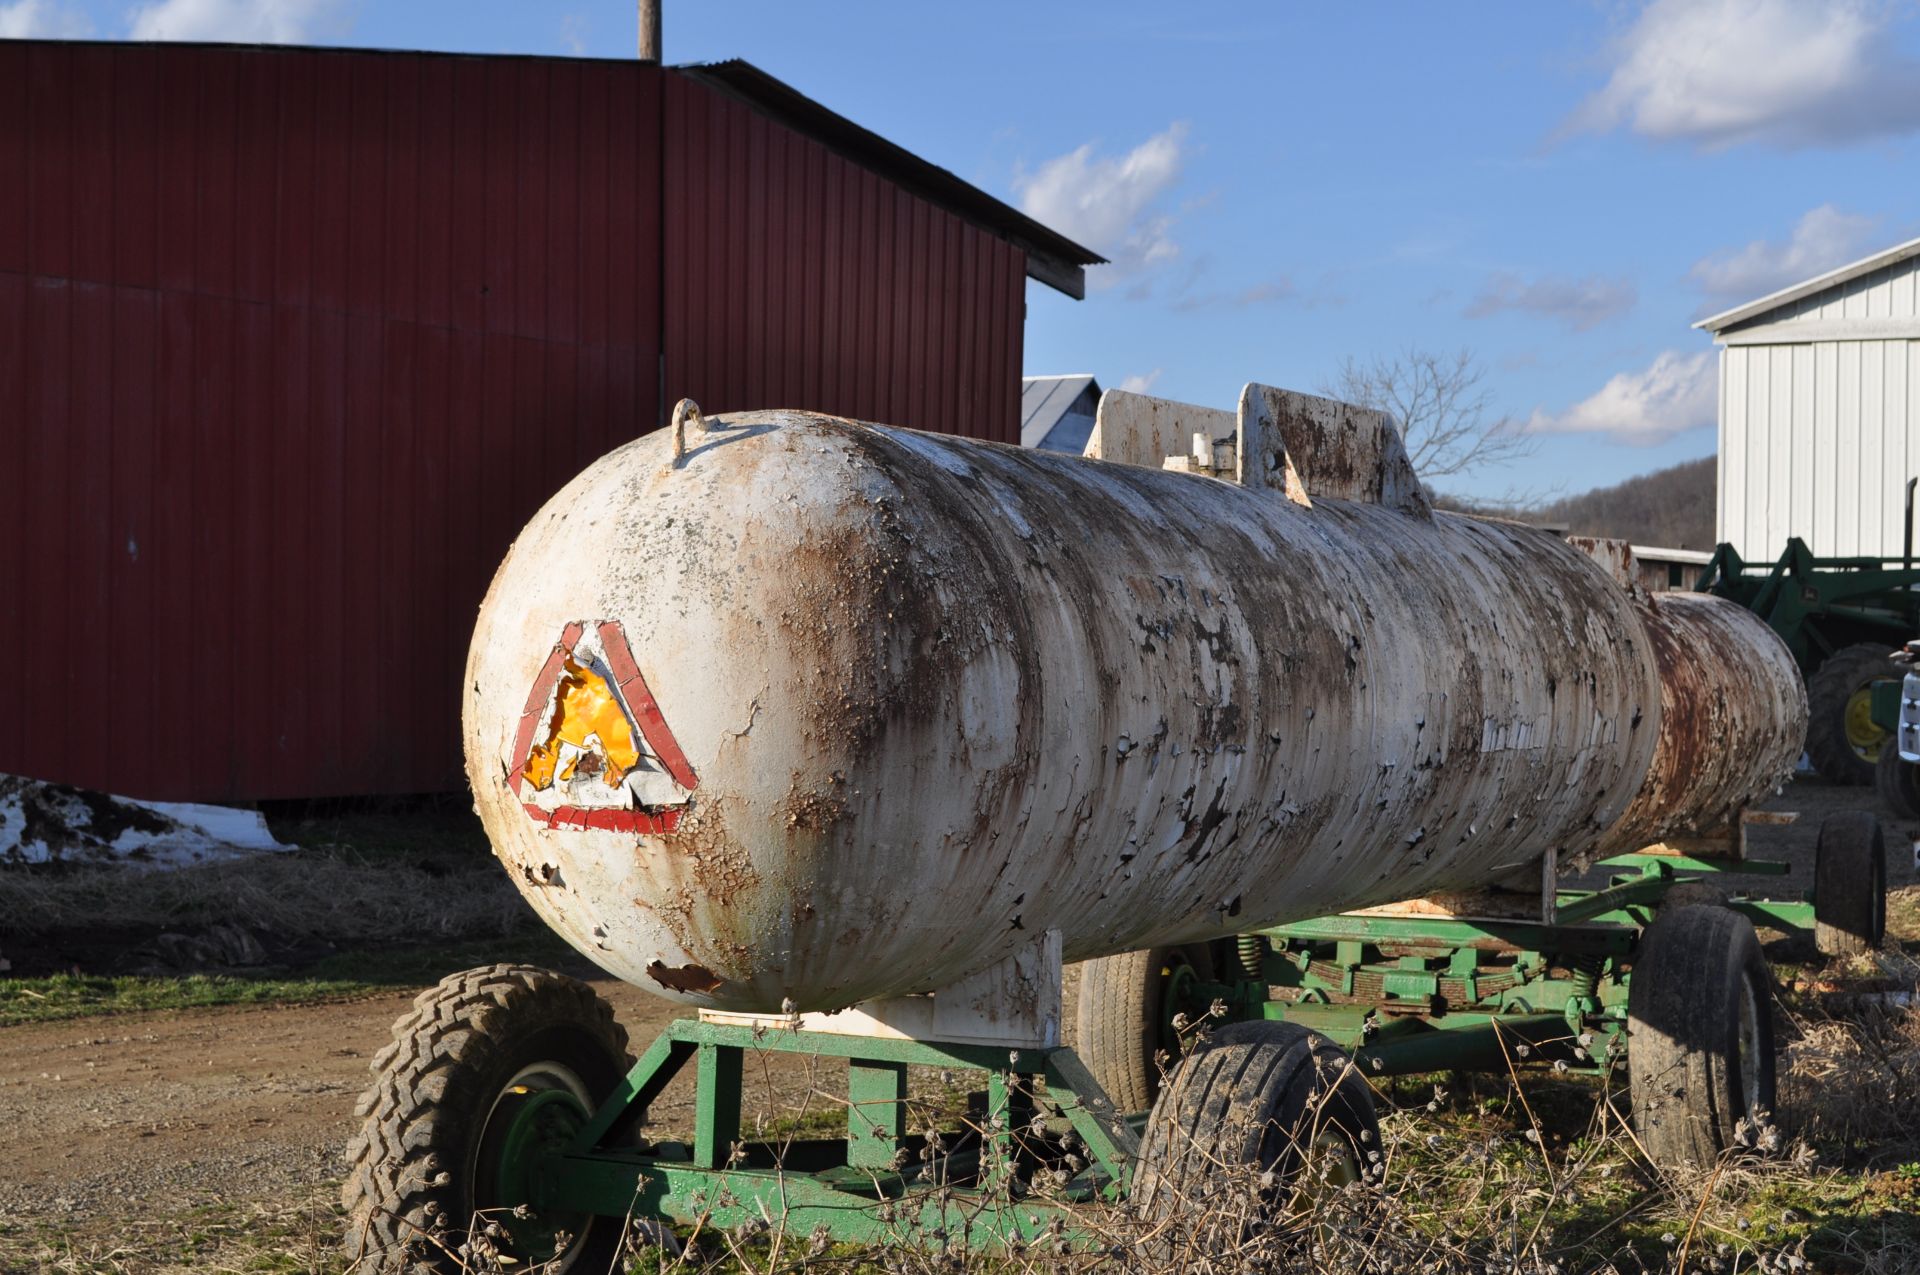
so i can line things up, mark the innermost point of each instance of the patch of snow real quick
(221, 825)
(55, 823)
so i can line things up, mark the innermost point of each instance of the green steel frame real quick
(1887, 694)
(880, 1182)
(1410, 994)
(1818, 605)
(1405, 994)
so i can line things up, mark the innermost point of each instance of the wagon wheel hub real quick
(1865, 737)
(1178, 999)
(529, 1124)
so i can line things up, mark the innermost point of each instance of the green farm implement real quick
(518, 1078)
(1840, 617)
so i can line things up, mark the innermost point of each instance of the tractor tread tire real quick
(1683, 1024)
(1897, 780)
(406, 1209)
(1829, 689)
(1849, 884)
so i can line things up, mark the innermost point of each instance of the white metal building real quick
(1057, 412)
(1820, 410)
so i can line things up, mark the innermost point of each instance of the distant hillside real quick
(1671, 508)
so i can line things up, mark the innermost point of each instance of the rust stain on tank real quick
(810, 810)
(685, 978)
(1723, 719)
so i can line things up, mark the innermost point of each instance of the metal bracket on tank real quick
(1014, 1003)
(1615, 557)
(1727, 842)
(1526, 892)
(1337, 450)
(1300, 445)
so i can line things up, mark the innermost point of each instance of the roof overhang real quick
(1052, 258)
(1787, 296)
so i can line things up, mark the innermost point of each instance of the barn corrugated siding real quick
(1818, 436)
(292, 343)
(832, 288)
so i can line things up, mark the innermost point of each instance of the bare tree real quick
(1441, 407)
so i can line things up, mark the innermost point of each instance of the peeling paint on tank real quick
(939, 647)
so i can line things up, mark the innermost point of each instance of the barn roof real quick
(1819, 283)
(1052, 258)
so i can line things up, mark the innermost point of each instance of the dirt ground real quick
(105, 1116)
(131, 1112)
(1793, 843)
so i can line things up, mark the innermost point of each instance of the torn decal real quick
(592, 750)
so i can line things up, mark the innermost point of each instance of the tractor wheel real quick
(1699, 1035)
(1898, 782)
(1125, 1017)
(490, 1068)
(1262, 1110)
(1841, 737)
(1849, 884)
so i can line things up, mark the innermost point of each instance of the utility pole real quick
(649, 30)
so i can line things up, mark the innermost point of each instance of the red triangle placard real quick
(592, 750)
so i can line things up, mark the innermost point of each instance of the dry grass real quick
(405, 898)
(1851, 1083)
(299, 1235)
(309, 894)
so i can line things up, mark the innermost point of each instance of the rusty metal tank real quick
(794, 711)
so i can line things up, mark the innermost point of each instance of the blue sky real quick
(1562, 189)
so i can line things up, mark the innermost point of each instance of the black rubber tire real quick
(409, 1197)
(1698, 985)
(1259, 1097)
(1849, 884)
(1897, 780)
(1118, 1017)
(1834, 683)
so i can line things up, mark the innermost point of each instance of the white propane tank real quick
(784, 710)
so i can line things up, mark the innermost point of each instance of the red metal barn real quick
(293, 341)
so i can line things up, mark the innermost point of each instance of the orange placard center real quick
(589, 733)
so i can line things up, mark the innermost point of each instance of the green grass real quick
(815, 1122)
(295, 1235)
(343, 976)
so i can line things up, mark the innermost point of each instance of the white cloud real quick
(1678, 392)
(1269, 293)
(1579, 303)
(1790, 72)
(42, 20)
(573, 33)
(1824, 238)
(1141, 384)
(1112, 204)
(241, 21)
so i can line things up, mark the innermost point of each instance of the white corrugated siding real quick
(1818, 437)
